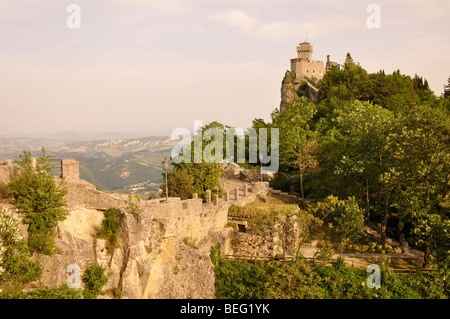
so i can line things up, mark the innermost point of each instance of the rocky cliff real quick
(163, 252)
(290, 88)
(147, 262)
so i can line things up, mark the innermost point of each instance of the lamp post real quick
(260, 165)
(165, 164)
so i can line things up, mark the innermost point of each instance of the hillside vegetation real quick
(382, 143)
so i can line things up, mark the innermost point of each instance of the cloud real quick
(273, 32)
(426, 39)
(239, 19)
(60, 46)
(156, 5)
(285, 31)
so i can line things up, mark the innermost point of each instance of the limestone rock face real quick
(148, 262)
(180, 271)
(75, 245)
(289, 89)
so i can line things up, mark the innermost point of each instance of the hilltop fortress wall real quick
(162, 252)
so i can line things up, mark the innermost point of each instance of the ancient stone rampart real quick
(162, 251)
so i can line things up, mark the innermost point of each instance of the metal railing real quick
(57, 167)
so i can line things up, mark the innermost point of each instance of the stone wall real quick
(70, 169)
(310, 69)
(269, 240)
(162, 253)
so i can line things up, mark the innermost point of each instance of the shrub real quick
(133, 205)
(15, 265)
(232, 225)
(5, 192)
(9, 228)
(236, 209)
(62, 292)
(94, 278)
(326, 254)
(42, 242)
(2, 253)
(348, 220)
(20, 269)
(215, 254)
(283, 182)
(110, 228)
(190, 242)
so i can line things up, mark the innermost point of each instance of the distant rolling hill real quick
(117, 164)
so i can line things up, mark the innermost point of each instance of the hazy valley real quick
(120, 165)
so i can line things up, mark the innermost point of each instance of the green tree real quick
(363, 134)
(37, 195)
(205, 166)
(419, 178)
(447, 89)
(297, 140)
(179, 184)
(350, 83)
(348, 221)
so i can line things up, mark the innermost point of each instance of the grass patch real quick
(189, 242)
(62, 292)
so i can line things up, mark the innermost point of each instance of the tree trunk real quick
(401, 236)
(301, 189)
(426, 254)
(384, 223)
(367, 201)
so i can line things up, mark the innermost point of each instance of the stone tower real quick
(304, 66)
(305, 51)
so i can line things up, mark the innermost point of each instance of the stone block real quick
(70, 169)
(208, 197)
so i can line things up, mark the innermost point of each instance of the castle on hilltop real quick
(304, 66)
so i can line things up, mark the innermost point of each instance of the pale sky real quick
(147, 66)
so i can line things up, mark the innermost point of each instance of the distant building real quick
(304, 66)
